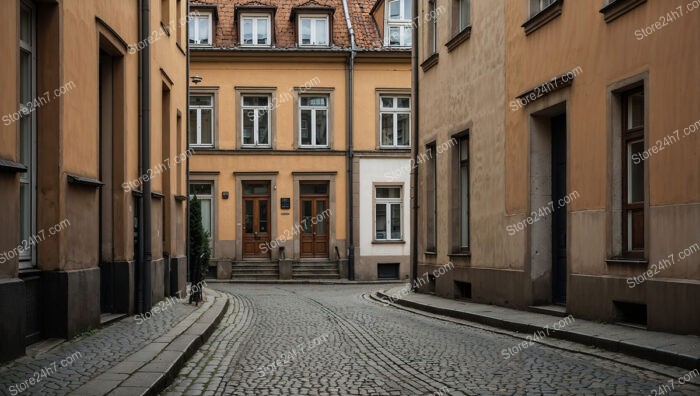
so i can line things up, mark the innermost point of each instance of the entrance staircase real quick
(315, 270)
(255, 270)
(269, 270)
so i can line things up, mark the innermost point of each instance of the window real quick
(178, 22)
(432, 29)
(398, 23)
(464, 193)
(431, 200)
(255, 116)
(387, 214)
(464, 14)
(313, 31)
(205, 194)
(200, 26)
(537, 6)
(165, 14)
(255, 30)
(27, 131)
(313, 121)
(633, 173)
(395, 121)
(201, 131)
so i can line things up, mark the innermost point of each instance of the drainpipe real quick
(414, 171)
(187, 144)
(350, 97)
(143, 301)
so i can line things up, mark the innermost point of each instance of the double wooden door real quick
(256, 219)
(314, 220)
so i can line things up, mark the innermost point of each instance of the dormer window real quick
(398, 23)
(200, 28)
(313, 30)
(255, 30)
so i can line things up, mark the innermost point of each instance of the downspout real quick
(145, 252)
(187, 144)
(349, 114)
(416, 128)
(138, 271)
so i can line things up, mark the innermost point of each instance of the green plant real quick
(199, 244)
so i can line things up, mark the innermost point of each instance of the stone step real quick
(316, 276)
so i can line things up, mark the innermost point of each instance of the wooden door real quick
(256, 219)
(314, 220)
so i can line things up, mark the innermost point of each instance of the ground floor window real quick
(387, 213)
(205, 194)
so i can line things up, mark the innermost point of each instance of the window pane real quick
(255, 101)
(25, 82)
(203, 30)
(635, 177)
(406, 36)
(306, 127)
(207, 125)
(25, 211)
(380, 222)
(25, 30)
(387, 102)
(464, 204)
(388, 192)
(206, 216)
(200, 189)
(262, 31)
(321, 217)
(25, 141)
(321, 128)
(314, 189)
(635, 110)
(256, 188)
(403, 129)
(319, 101)
(396, 221)
(463, 14)
(394, 36)
(406, 9)
(463, 149)
(192, 133)
(305, 31)
(263, 130)
(248, 217)
(248, 124)
(321, 36)
(394, 9)
(306, 217)
(262, 223)
(404, 103)
(387, 129)
(200, 100)
(247, 31)
(191, 24)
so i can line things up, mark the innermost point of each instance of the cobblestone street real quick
(375, 350)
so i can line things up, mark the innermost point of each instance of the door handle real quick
(255, 235)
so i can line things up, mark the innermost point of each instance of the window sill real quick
(12, 167)
(430, 253)
(255, 46)
(543, 17)
(619, 8)
(395, 148)
(313, 148)
(201, 147)
(627, 260)
(388, 242)
(459, 38)
(166, 28)
(460, 254)
(430, 62)
(255, 147)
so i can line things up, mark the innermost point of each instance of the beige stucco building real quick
(579, 186)
(286, 127)
(76, 245)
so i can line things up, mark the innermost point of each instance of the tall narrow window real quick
(255, 30)
(431, 200)
(200, 28)
(633, 173)
(178, 22)
(313, 121)
(395, 121)
(432, 30)
(201, 120)
(313, 31)
(464, 14)
(387, 214)
(464, 193)
(398, 23)
(255, 116)
(165, 13)
(27, 131)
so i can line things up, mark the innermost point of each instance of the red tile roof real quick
(366, 33)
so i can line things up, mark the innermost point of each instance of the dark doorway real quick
(106, 118)
(559, 217)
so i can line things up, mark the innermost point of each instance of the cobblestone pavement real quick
(375, 350)
(92, 354)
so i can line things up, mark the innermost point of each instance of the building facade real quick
(582, 171)
(93, 227)
(286, 113)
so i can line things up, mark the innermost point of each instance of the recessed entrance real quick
(256, 219)
(313, 221)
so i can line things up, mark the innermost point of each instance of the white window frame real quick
(210, 198)
(313, 19)
(257, 109)
(395, 111)
(313, 110)
(194, 29)
(403, 22)
(199, 119)
(388, 202)
(27, 258)
(255, 18)
(463, 3)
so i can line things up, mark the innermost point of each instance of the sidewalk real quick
(131, 356)
(672, 349)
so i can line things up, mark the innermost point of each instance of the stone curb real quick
(634, 347)
(306, 282)
(154, 367)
